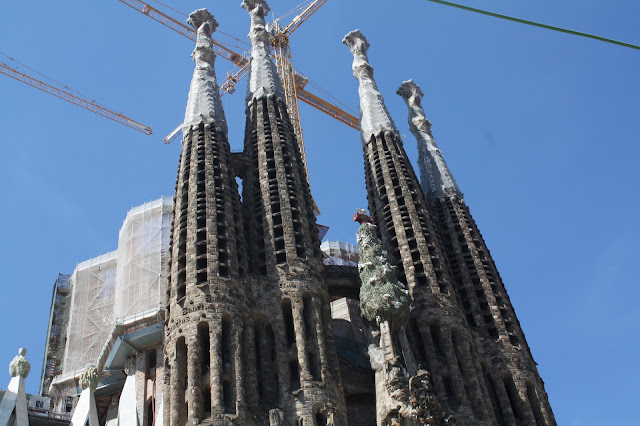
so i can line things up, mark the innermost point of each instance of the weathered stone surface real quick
(248, 336)
(462, 326)
(508, 378)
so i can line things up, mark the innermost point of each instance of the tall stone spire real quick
(263, 77)
(204, 103)
(408, 231)
(204, 350)
(515, 390)
(374, 116)
(294, 362)
(436, 178)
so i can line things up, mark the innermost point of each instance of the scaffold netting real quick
(119, 284)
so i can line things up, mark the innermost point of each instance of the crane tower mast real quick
(282, 50)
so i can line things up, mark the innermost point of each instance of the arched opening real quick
(310, 334)
(535, 404)
(179, 403)
(514, 400)
(493, 396)
(205, 366)
(228, 368)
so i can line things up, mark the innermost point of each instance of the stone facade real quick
(516, 391)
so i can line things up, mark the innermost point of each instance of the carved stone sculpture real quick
(382, 296)
(276, 417)
(89, 378)
(19, 366)
(404, 392)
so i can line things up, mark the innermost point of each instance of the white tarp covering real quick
(93, 283)
(337, 253)
(119, 284)
(142, 258)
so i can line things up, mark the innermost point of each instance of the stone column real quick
(166, 387)
(141, 388)
(159, 389)
(238, 359)
(15, 398)
(322, 342)
(194, 382)
(215, 340)
(251, 375)
(85, 410)
(177, 408)
(128, 406)
(301, 340)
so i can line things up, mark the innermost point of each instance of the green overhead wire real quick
(537, 24)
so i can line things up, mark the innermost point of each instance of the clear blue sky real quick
(539, 129)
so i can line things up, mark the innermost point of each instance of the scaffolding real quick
(125, 282)
(57, 332)
(142, 257)
(92, 296)
(341, 254)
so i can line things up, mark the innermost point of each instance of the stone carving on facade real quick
(89, 378)
(329, 411)
(374, 116)
(276, 417)
(437, 179)
(19, 366)
(403, 389)
(130, 366)
(204, 104)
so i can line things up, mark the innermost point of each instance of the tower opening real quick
(228, 368)
(514, 400)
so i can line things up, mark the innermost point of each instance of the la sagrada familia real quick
(247, 335)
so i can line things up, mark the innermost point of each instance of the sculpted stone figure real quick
(276, 417)
(403, 389)
(19, 366)
(381, 294)
(89, 378)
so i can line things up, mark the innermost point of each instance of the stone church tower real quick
(205, 346)
(248, 330)
(507, 365)
(462, 327)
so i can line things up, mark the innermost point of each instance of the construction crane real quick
(74, 99)
(239, 59)
(282, 53)
(294, 82)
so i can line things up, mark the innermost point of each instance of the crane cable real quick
(80, 95)
(537, 24)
